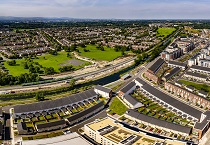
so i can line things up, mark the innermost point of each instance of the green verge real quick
(46, 60)
(197, 86)
(164, 32)
(117, 107)
(108, 54)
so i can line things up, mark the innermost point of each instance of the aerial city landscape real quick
(104, 73)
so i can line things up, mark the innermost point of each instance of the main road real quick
(10, 88)
(74, 77)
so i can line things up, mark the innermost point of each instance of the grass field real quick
(108, 54)
(164, 32)
(47, 60)
(197, 86)
(117, 107)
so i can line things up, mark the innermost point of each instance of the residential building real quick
(174, 64)
(78, 117)
(50, 126)
(22, 128)
(187, 95)
(200, 69)
(169, 102)
(156, 66)
(171, 53)
(157, 123)
(172, 73)
(129, 88)
(108, 131)
(103, 91)
(132, 102)
(196, 76)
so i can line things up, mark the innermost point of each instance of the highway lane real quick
(82, 75)
(74, 77)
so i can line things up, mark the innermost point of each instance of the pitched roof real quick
(156, 65)
(85, 112)
(55, 103)
(200, 68)
(196, 75)
(128, 87)
(104, 89)
(131, 99)
(177, 63)
(51, 124)
(172, 73)
(172, 101)
(204, 123)
(158, 122)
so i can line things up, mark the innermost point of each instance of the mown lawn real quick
(108, 54)
(164, 32)
(117, 107)
(46, 60)
(197, 86)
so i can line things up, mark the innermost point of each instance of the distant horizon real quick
(109, 9)
(25, 17)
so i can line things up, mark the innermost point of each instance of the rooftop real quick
(172, 101)
(156, 65)
(200, 68)
(70, 139)
(121, 133)
(54, 103)
(104, 89)
(128, 87)
(177, 63)
(158, 122)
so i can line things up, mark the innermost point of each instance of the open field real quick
(197, 86)
(117, 107)
(47, 60)
(108, 54)
(164, 32)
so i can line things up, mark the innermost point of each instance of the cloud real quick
(133, 9)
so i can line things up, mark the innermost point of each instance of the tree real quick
(11, 63)
(72, 82)
(39, 97)
(49, 70)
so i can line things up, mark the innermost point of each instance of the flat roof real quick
(156, 65)
(68, 139)
(172, 101)
(54, 103)
(104, 89)
(121, 132)
(158, 122)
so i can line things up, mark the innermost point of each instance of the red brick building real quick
(191, 97)
(152, 77)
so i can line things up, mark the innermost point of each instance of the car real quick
(66, 131)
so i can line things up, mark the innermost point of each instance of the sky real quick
(108, 9)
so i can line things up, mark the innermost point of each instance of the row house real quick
(187, 95)
(152, 77)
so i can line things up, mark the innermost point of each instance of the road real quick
(83, 75)
(74, 77)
